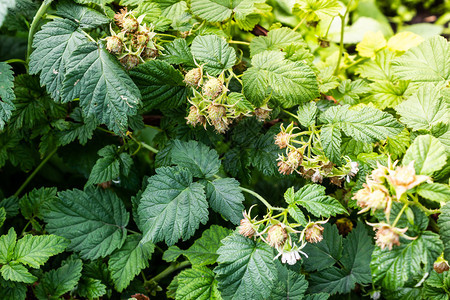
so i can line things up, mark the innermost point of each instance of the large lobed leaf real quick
(215, 53)
(428, 62)
(6, 93)
(104, 88)
(93, 220)
(427, 153)
(172, 206)
(365, 125)
(287, 82)
(246, 268)
(277, 39)
(290, 284)
(54, 44)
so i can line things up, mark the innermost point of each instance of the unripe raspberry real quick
(317, 177)
(140, 39)
(195, 117)
(114, 44)
(130, 24)
(294, 158)
(213, 88)
(284, 168)
(276, 236)
(262, 113)
(216, 112)
(192, 78)
(150, 53)
(313, 233)
(130, 61)
(282, 139)
(221, 126)
(246, 229)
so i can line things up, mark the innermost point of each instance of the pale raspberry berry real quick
(192, 78)
(114, 44)
(282, 139)
(276, 236)
(212, 88)
(313, 233)
(130, 24)
(130, 61)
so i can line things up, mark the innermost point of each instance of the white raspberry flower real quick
(405, 178)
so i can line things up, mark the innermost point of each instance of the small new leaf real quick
(197, 283)
(214, 52)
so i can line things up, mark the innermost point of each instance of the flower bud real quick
(114, 44)
(221, 126)
(130, 61)
(388, 236)
(313, 233)
(284, 168)
(262, 113)
(405, 178)
(216, 112)
(130, 24)
(212, 88)
(192, 78)
(276, 236)
(441, 265)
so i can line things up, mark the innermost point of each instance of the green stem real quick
(132, 231)
(17, 193)
(148, 147)
(104, 130)
(25, 228)
(260, 198)
(299, 24)
(170, 269)
(291, 114)
(16, 60)
(238, 42)
(341, 44)
(399, 215)
(426, 210)
(34, 25)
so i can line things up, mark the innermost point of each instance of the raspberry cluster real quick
(134, 43)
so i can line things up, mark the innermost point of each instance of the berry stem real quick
(34, 25)
(341, 44)
(399, 214)
(172, 268)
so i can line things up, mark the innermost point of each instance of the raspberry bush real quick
(224, 149)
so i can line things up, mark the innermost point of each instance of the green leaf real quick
(387, 94)
(365, 125)
(161, 85)
(2, 216)
(4, 9)
(290, 285)
(204, 250)
(317, 10)
(424, 109)
(307, 114)
(355, 260)
(330, 138)
(93, 220)
(378, 69)
(297, 214)
(104, 88)
(427, 153)
(198, 158)
(54, 45)
(197, 283)
(11, 290)
(246, 268)
(264, 153)
(326, 253)
(214, 52)
(56, 283)
(287, 82)
(110, 166)
(177, 52)
(436, 286)
(312, 197)
(225, 197)
(393, 268)
(82, 129)
(319, 296)
(7, 244)
(350, 92)
(172, 206)
(85, 17)
(125, 263)
(90, 288)
(396, 146)
(34, 251)
(428, 62)
(277, 39)
(31, 204)
(221, 10)
(17, 272)
(444, 229)
(6, 93)
(434, 191)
